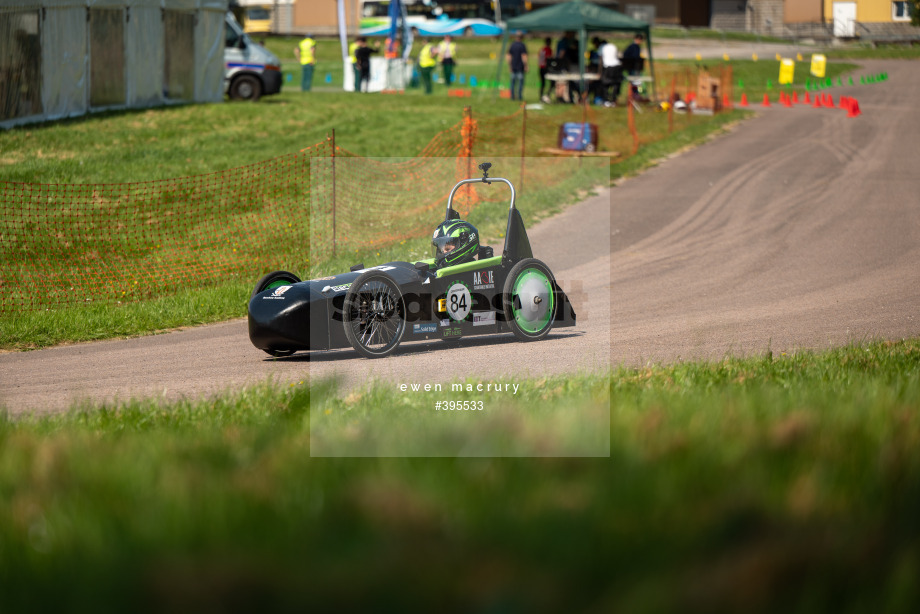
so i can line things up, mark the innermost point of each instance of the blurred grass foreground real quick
(770, 484)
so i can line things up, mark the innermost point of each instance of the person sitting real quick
(454, 242)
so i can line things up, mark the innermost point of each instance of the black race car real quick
(463, 290)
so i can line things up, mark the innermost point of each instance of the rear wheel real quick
(375, 315)
(529, 300)
(246, 87)
(271, 281)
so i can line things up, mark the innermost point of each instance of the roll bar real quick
(484, 167)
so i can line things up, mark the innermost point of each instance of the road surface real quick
(799, 229)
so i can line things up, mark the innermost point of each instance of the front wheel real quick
(272, 281)
(374, 315)
(529, 300)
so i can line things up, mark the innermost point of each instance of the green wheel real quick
(529, 300)
(271, 281)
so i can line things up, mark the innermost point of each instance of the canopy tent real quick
(582, 17)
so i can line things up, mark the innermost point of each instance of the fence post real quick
(671, 104)
(333, 193)
(631, 119)
(523, 143)
(467, 145)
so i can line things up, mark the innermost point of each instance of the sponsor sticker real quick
(419, 329)
(340, 288)
(483, 280)
(483, 318)
(445, 322)
(453, 332)
(277, 294)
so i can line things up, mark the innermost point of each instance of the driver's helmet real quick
(455, 242)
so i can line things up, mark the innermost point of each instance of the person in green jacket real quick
(305, 52)
(427, 62)
(354, 63)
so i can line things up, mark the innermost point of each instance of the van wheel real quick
(246, 87)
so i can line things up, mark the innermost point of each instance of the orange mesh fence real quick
(63, 245)
(68, 244)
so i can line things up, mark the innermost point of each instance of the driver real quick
(454, 242)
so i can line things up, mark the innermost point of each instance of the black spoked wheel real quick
(529, 300)
(271, 281)
(375, 315)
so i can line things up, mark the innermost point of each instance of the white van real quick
(250, 70)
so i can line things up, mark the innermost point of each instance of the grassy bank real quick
(194, 140)
(780, 483)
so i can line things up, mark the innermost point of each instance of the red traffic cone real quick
(726, 102)
(766, 100)
(829, 103)
(795, 97)
(786, 100)
(744, 101)
(807, 98)
(854, 108)
(817, 104)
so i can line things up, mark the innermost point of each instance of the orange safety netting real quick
(64, 245)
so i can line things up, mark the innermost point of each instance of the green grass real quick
(883, 51)
(774, 483)
(176, 142)
(164, 144)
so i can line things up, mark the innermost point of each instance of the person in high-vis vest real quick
(305, 52)
(354, 64)
(447, 52)
(427, 63)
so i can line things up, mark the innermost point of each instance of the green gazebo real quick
(582, 17)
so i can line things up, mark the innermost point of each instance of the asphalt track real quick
(799, 229)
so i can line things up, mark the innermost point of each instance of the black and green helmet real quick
(455, 242)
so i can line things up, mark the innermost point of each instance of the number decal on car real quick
(459, 301)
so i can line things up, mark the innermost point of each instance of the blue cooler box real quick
(575, 136)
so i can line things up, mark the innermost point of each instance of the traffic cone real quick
(766, 100)
(744, 101)
(795, 97)
(807, 98)
(726, 102)
(829, 103)
(787, 102)
(817, 104)
(854, 109)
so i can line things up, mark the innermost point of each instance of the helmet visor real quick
(444, 245)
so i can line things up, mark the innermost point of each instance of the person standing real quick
(305, 53)
(546, 53)
(611, 74)
(447, 52)
(632, 56)
(354, 64)
(363, 55)
(517, 61)
(427, 62)
(568, 50)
